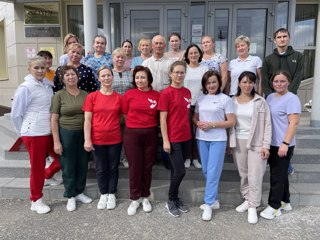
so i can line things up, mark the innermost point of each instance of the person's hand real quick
(265, 153)
(204, 126)
(283, 149)
(166, 147)
(229, 151)
(58, 149)
(88, 146)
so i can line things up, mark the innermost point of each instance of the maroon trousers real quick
(38, 148)
(140, 146)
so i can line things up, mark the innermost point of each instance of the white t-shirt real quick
(244, 113)
(213, 108)
(238, 66)
(192, 81)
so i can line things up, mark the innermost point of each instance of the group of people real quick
(110, 105)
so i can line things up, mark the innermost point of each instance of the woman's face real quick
(207, 44)
(145, 48)
(118, 60)
(280, 84)
(177, 75)
(174, 43)
(37, 70)
(242, 49)
(105, 77)
(212, 85)
(141, 80)
(194, 55)
(48, 62)
(71, 40)
(127, 48)
(99, 45)
(70, 78)
(246, 85)
(75, 55)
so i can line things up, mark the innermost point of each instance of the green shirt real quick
(69, 108)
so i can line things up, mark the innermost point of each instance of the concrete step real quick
(191, 191)
(304, 173)
(6, 127)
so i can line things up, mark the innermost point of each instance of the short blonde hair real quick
(242, 38)
(144, 41)
(119, 51)
(207, 36)
(74, 46)
(38, 60)
(66, 39)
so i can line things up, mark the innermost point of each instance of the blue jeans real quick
(212, 158)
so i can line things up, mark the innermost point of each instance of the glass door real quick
(149, 20)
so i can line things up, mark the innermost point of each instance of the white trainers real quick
(196, 163)
(146, 206)
(270, 213)
(252, 215)
(286, 206)
(52, 182)
(243, 207)
(124, 162)
(111, 204)
(71, 205)
(187, 163)
(83, 198)
(132, 209)
(39, 206)
(102, 201)
(207, 213)
(214, 206)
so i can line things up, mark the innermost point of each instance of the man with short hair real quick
(158, 64)
(284, 57)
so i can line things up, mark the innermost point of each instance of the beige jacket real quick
(260, 131)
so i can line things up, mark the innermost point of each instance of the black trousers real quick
(279, 182)
(177, 157)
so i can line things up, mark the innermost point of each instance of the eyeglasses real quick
(179, 73)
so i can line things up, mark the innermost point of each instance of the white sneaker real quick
(196, 163)
(146, 206)
(71, 205)
(187, 163)
(83, 198)
(111, 204)
(243, 207)
(124, 162)
(214, 206)
(39, 206)
(207, 213)
(252, 215)
(52, 182)
(270, 213)
(132, 209)
(102, 201)
(286, 206)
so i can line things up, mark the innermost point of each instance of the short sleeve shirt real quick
(214, 62)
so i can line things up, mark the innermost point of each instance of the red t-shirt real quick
(176, 101)
(106, 112)
(141, 108)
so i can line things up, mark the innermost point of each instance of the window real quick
(304, 36)
(282, 14)
(197, 11)
(3, 59)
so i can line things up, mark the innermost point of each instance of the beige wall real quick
(16, 46)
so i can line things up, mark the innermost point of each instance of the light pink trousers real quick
(251, 168)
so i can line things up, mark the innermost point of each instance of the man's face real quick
(158, 45)
(282, 39)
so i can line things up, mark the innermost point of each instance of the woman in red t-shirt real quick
(140, 137)
(174, 106)
(103, 136)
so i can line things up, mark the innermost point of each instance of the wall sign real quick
(41, 13)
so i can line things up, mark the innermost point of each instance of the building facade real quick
(29, 26)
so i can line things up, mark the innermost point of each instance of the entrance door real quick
(151, 19)
(228, 21)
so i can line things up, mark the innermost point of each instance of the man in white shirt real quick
(158, 64)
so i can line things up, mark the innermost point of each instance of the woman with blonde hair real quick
(68, 39)
(145, 48)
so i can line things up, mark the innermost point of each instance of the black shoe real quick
(181, 207)
(172, 208)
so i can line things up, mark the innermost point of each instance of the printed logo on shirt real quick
(294, 61)
(188, 100)
(153, 103)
